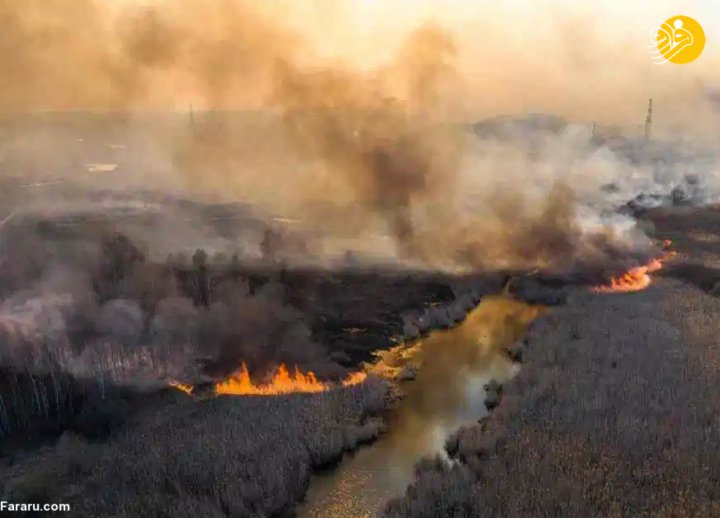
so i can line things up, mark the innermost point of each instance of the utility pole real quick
(648, 120)
(192, 119)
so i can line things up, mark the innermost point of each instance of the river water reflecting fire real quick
(448, 393)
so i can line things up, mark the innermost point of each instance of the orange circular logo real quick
(679, 40)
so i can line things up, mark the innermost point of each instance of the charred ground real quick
(68, 431)
(82, 309)
(94, 328)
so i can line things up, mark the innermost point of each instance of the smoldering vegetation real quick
(226, 456)
(694, 233)
(108, 318)
(106, 294)
(87, 314)
(576, 215)
(138, 286)
(64, 299)
(298, 211)
(93, 328)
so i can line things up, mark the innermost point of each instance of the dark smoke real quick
(349, 151)
(112, 312)
(317, 134)
(389, 150)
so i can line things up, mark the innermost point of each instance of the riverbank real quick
(189, 457)
(614, 414)
(449, 371)
(249, 456)
(216, 456)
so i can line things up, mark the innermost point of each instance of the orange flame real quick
(354, 379)
(638, 278)
(188, 389)
(283, 382)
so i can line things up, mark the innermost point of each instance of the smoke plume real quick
(370, 128)
(351, 128)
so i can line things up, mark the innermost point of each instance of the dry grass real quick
(614, 414)
(225, 456)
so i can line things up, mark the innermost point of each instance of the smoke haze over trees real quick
(364, 157)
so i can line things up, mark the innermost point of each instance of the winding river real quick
(453, 366)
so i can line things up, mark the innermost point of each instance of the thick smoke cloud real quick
(363, 137)
(574, 60)
(98, 308)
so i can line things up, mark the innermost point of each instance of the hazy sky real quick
(583, 60)
(586, 60)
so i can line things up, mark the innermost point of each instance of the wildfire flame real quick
(638, 278)
(354, 379)
(188, 389)
(282, 382)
